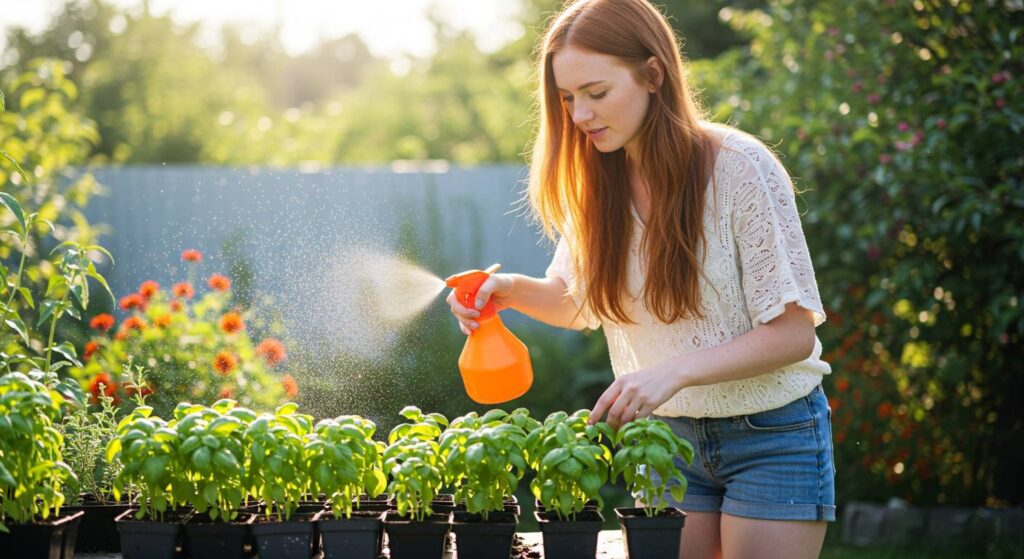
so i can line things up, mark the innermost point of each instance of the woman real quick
(682, 241)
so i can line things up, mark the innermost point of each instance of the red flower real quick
(133, 301)
(231, 323)
(191, 255)
(291, 388)
(884, 410)
(272, 351)
(224, 363)
(133, 323)
(90, 348)
(109, 388)
(219, 282)
(162, 321)
(102, 322)
(148, 289)
(176, 306)
(842, 384)
(122, 335)
(226, 392)
(183, 290)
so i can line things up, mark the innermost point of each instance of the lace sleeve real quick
(561, 267)
(774, 260)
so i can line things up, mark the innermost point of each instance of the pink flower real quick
(903, 126)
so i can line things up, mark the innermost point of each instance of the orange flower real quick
(162, 321)
(884, 410)
(226, 392)
(842, 384)
(90, 348)
(191, 255)
(148, 289)
(231, 323)
(109, 388)
(133, 323)
(133, 301)
(183, 290)
(272, 351)
(176, 306)
(291, 388)
(120, 336)
(219, 282)
(224, 363)
(102, 322)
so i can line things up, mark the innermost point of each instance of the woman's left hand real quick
(638, 394)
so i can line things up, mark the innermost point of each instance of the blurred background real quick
(288, 140)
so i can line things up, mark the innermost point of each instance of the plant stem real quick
(17, 279)
(53, 330)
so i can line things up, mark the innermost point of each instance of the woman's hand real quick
(498, 287)
(638, 394)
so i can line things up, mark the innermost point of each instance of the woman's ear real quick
(656, 72)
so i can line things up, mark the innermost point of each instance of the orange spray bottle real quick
(495, 365)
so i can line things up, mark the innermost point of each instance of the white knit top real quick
(756, 262)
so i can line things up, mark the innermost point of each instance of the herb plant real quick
(413, 462)
(212, 457)
(484, 460)
(31, 470)
(147, 448)
(279, 471)
(572, 460)
(645, 446)
(345, 461)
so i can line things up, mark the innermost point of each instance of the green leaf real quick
(10, 202)
(48, 308)
(27, 296)
(19, 327)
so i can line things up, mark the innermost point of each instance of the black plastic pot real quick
(651, 537)
(98, 531)
(359, 537)
(410, 539)
(48, 539)
(147, 539)
(570, 539)
(294, 538)
(208, 539)
(477, 539)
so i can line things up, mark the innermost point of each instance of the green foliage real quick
(32, 472)
(572, 460)
(646, 446)
(484, 458)
(414, 463)
(212, 456)
(147, 447)
(902, 122)
(86, 435)
(279, 470)
(345, 461)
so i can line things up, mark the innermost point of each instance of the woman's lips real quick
(596, 133)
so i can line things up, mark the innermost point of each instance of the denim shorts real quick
(773, 465)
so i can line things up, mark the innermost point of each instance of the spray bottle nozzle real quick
(466, 286)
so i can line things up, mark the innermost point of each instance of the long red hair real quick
(577, 191)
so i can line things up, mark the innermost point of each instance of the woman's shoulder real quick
(735, 145)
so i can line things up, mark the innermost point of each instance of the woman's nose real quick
(581, 113)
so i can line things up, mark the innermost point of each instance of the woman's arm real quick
(543, 299)
(782, 341)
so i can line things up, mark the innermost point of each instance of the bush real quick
(901, 122)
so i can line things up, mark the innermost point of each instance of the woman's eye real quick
(598, 95)
(567, 98)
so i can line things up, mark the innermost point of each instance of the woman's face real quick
(603, 97)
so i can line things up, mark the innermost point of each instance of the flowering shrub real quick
(196, 348)
(900, 121)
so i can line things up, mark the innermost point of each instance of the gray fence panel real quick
(290, 222)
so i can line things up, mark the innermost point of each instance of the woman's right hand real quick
(498, 287)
